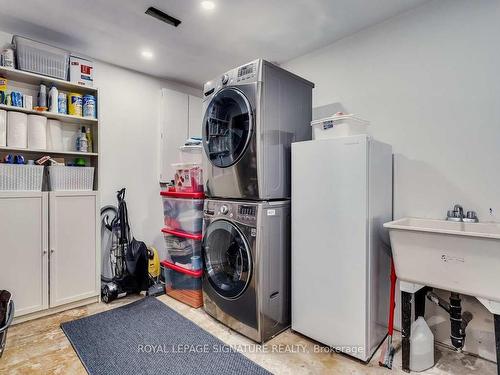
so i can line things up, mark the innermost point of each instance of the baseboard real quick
(55, 310)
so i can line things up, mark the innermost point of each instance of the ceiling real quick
(206, 43)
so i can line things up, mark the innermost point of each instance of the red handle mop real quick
(387, 354)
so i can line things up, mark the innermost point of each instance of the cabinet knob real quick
(44, 251)
(52, 251)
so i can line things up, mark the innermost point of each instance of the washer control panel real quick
(244, 213)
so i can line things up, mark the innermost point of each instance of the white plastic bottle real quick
(81, 141)
(421, 346)
(53, 99)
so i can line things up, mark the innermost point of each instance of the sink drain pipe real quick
(458, 320)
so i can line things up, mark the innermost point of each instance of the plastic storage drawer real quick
(183, 249)
(183, 211)
(182, 284)
(41, 58)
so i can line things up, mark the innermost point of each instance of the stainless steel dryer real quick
(252, 114)
(246, 281)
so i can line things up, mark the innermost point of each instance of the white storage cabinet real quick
(35, 238)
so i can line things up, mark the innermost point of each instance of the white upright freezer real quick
(341, 196)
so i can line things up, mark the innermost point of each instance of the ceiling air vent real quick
(164, 17)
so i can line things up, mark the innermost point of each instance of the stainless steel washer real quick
(246, 281)
(252, 114)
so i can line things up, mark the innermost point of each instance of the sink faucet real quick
(457, 214)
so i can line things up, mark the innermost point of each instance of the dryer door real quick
(227, 127)
(228, 262)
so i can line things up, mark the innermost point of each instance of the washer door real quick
(228, 262)
(227, 127)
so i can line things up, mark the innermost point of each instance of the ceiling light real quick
(147, 54)
(208, 5)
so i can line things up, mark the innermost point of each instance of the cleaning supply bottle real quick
(81, 141)
(53, 99)
(90, 145)
(42, 97)
(421, 346)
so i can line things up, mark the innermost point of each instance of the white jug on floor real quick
(421, 346)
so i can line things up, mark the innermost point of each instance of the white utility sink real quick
(455, 256)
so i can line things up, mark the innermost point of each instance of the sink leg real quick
(497, 339)
(420, 302)
(405, 329)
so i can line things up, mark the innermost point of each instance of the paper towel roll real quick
(37, 132)
(3, 128)
(54, 135)
(17, 129)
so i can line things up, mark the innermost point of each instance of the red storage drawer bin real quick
(182, 249)
(183, 211)
(182, 284)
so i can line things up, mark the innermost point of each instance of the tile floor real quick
(40, 347)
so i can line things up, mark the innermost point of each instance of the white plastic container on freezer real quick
(183, 211)
(338, 125)
(41, 58)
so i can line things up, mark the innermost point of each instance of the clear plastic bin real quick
(191, 154)
(188, 177)
(41, 58)
(339, 125)
(183, 211)
(63, 178)
(15, 177)
(182, 284)
(182, 249)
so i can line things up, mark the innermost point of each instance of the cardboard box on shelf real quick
(81, 71)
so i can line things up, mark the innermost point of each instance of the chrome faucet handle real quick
(458, 208)
(471, 217)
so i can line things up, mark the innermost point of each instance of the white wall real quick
(129, 116)
(429, 82)
(129, 111)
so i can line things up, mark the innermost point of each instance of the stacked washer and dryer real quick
(252, 114)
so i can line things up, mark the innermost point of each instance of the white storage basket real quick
(15, 177)
(71, 178)
(41, 58)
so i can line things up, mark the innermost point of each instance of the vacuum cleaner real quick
(128, 257)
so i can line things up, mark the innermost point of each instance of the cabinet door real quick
(23, 249)
(195, 116)
(74, 251)
(174, 130)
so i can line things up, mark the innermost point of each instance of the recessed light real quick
(147, 54)
(208, 5)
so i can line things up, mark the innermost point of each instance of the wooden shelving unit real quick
(33, 151)
(22, 81)
(56, 116)
(36, 79)
(45, 286)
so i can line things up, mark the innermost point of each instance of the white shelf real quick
(36, 79)
(21, 150)
(57, 116)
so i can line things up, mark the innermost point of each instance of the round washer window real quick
(228, 262)
(227, 127)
